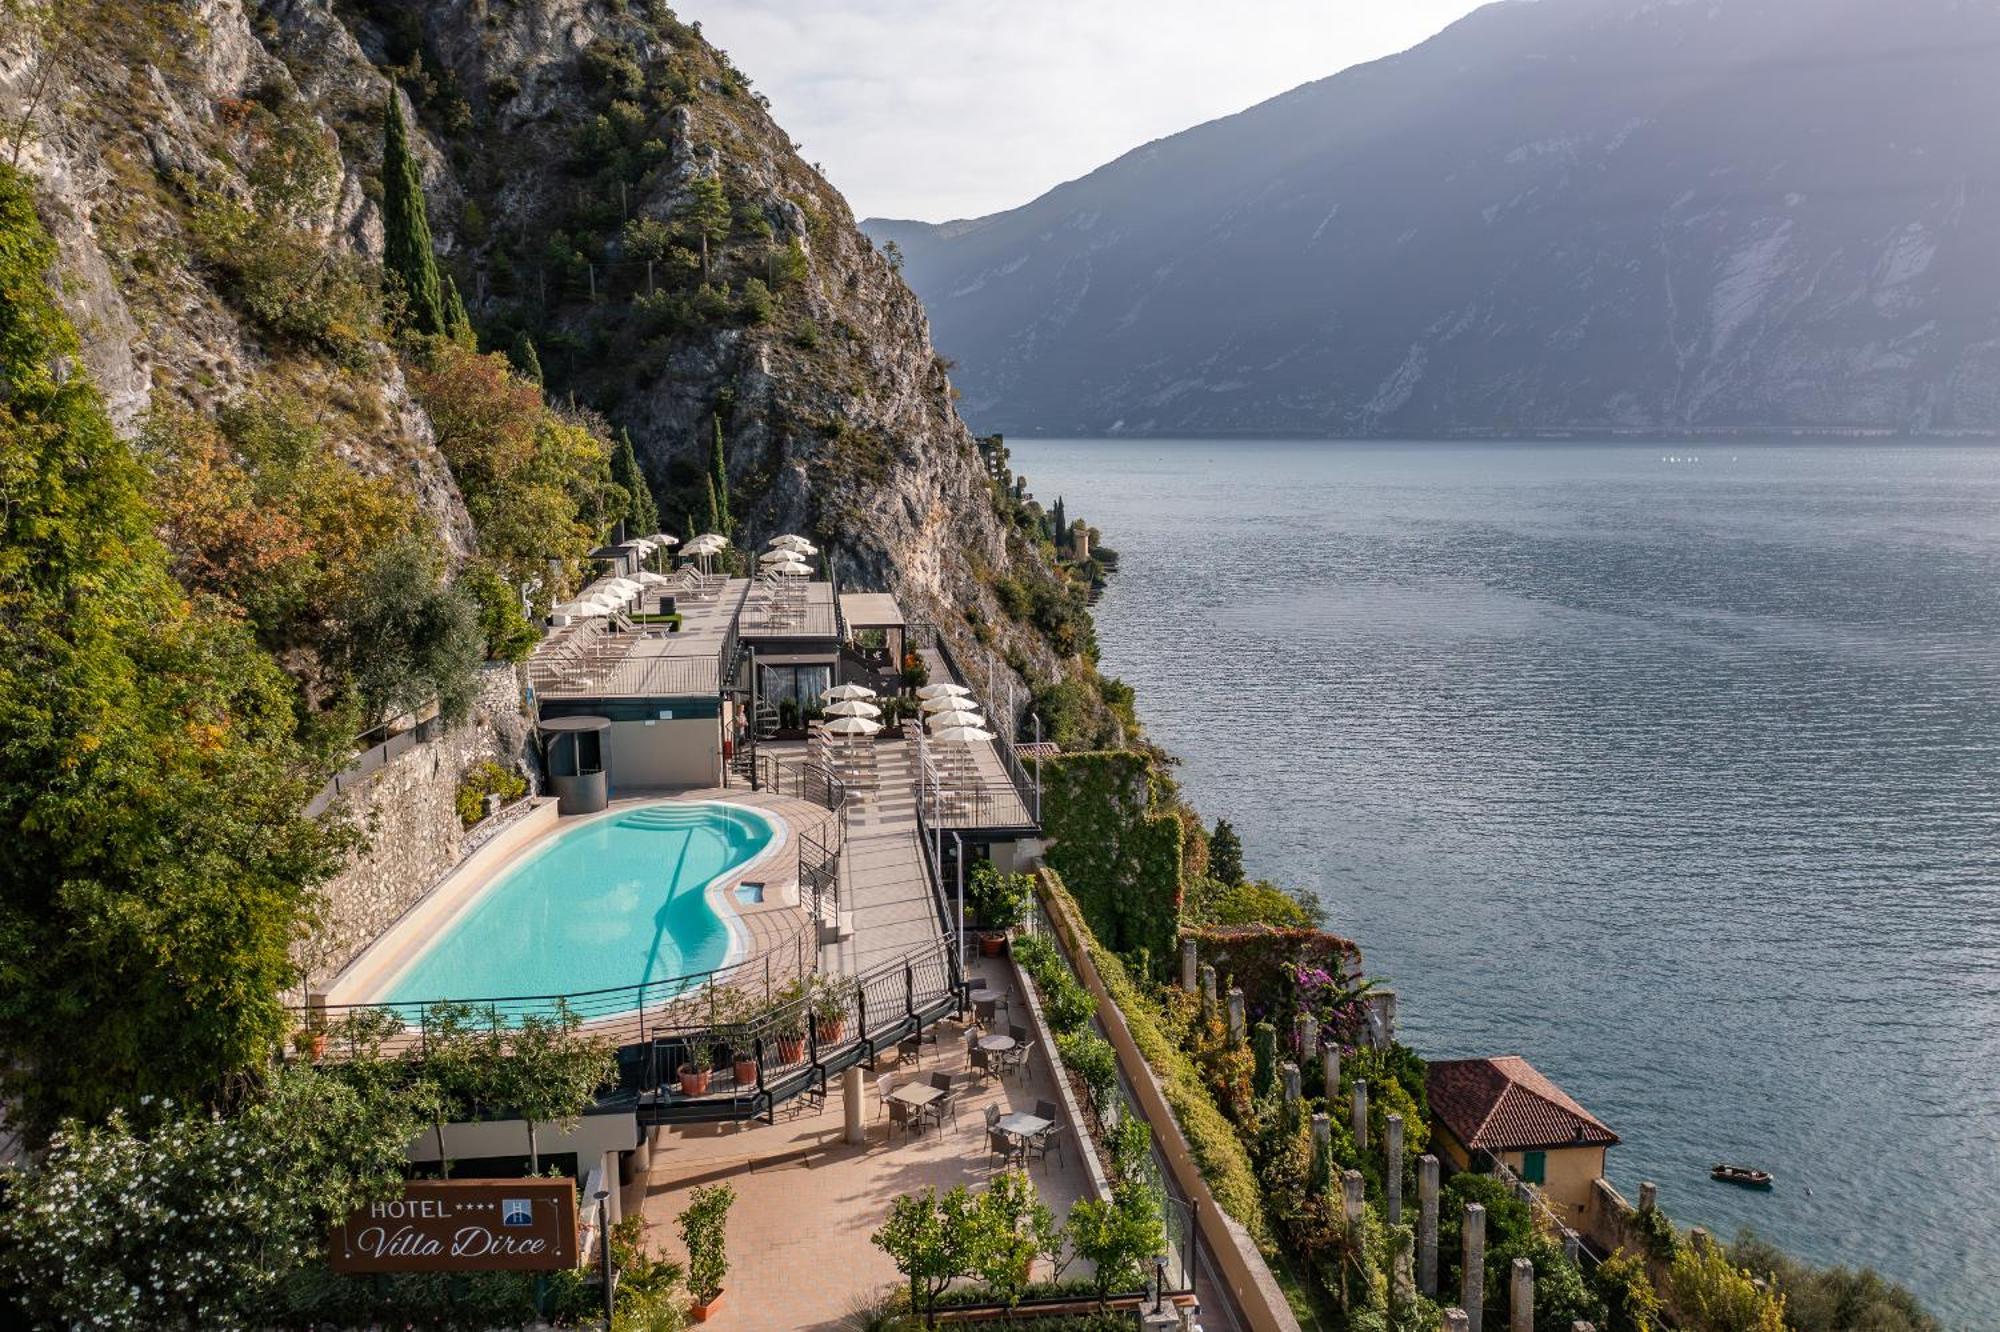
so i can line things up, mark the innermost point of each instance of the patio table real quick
(917, 1095)
(1021, 1125)
(996, 1044)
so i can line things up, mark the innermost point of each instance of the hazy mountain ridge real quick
(1571, 214)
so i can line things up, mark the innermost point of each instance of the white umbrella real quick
(651, 579)
(945, 721)
(619, 587)
(947, 703)
(852, 726)
(961, 734)
(662, 539)
(847, 693)
(792, 541)
(943, 691)
(854, 707)
(780, 557)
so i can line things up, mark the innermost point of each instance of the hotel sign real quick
(463, 1225)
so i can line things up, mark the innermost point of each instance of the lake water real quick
(1675, 769)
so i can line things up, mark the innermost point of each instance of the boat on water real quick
(1745, 1176)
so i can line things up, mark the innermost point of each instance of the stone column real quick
(1456, 1321)
(1188, 965)
(1521, 1297)
(1236, 1027)
(1698, 1239)
(1208, 984)
(1572, 1245)
(1331, 1068)
(1288, 1078)
(1649, 1196)
(1472, 1280)
(1353, 1190)
(1427, 1224)
(1392, 1169)
(1322, 1130)
(1361, 1114)
(1382, 1006)
(1308, 1035)
(856, 1120)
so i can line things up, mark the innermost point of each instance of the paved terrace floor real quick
(989, 799)
(807, 1202)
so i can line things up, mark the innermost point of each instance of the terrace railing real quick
(1002, 719)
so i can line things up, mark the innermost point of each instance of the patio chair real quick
(1020, 1034)
(911, 1047)
(907, 1116)
(1017, 1058)
(1038, 1147)
(946, 1104)
(983, 1009)
(997, 1143)
(978, 1060)
(883, 1086)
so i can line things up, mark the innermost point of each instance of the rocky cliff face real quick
(1566, 215)
(546, 130)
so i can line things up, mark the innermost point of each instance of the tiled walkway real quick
(798, 1237)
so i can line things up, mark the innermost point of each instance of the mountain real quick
(1554, 215)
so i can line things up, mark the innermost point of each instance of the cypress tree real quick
(457, 324)
(526, 363)
(718, 469)
(406, 230)
(714, 513)
(1225, 854)
(642, 516)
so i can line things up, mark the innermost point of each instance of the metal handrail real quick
(1003, 738)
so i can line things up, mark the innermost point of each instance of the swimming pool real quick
(618, 900)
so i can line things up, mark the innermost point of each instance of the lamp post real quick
(604, 1251)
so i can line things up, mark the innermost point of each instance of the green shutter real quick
(1534, 1166)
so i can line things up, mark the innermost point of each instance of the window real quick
(1534, 1166)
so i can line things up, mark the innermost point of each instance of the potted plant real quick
(830, 998)
(788, 1022)
(999, 902)
(702, 1227)
(694, 1069)
(310, 1040)
(735, 1023)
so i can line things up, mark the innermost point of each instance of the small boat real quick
(1743, 1175)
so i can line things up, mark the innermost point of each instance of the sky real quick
(940, 109)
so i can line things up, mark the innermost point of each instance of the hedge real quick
(1220, 1154)
(1120, 859)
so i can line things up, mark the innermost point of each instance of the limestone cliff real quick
(564, 145)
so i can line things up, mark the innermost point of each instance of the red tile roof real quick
(1504, 1104)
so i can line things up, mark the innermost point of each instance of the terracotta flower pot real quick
(702, 1311)
(746, 1071)
(992, 945)
(694, 1081)
(791, 1049)
(833, 1028)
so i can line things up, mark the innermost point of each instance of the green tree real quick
(527, 364)
(195, 1221)
(551, 1072)
(714, 508)
(706, 216)
(718, 472)
(410, 638)
(157, 868)
(702, 1231)
(929, 1236)
(457, 324)
(503, 623)
(1119, 1238)
(1225, 853)
(1630, 1302)
(642, 516)
(408, 258)
(1710, 1293)
(1011, 1227)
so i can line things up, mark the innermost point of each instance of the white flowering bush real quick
(195, 1220)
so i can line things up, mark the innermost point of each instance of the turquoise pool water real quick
(615, 901)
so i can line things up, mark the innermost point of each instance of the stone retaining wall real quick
(408, 814)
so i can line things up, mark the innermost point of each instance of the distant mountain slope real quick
(1567, 214)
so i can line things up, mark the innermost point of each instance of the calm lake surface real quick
(1673, 768)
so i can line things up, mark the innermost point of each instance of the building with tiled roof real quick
(1504, 1109)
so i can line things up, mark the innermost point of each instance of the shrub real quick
(1712, 1294)
(1832, 1299)
(1630, 1302)
(1093, 1060)
(486, 779)
(702, 1226)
